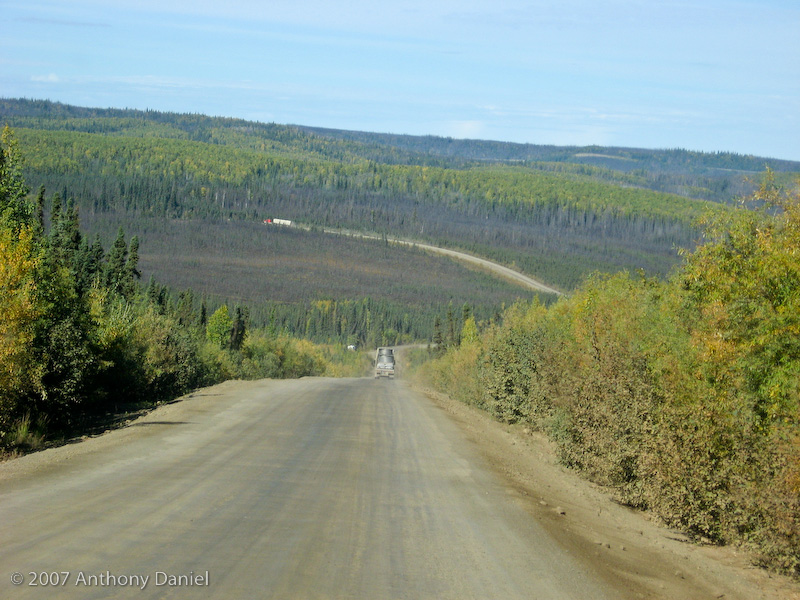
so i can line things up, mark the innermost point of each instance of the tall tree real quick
(115, 264)
(96, 256)
(40, 201)
(15, 210)
(218, 330)
(237, 330)
(451, 327)
(438, 337)
(18, 313)
(131, 273)
(72, 227)
(203, 313)
(55, 215)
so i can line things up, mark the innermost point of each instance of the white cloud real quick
(51, 78)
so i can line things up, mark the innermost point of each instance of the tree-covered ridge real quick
(714, 176)
(555, 220)
(717, 176)
(236, 133)
(201, 169)
(677, 160)
(521, 216)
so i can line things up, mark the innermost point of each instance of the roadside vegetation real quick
(81, 337)
(681, 395)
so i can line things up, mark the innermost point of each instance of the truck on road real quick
(384, 363)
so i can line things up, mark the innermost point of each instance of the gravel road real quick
(315, 488)
(487, 265)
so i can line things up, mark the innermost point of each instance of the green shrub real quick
(682, 396)
(456, 371)
(26, 435)
(171, 362)
(260, 357)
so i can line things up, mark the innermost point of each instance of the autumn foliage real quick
(81, 338)
(682, 396)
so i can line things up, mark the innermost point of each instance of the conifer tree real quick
(71, 228)
(131, 271)
(83, 274)
(55, 214)
(237, 330)
(15, 210)
(184, 309)
(438, 338)
(451, 327)
(96, 256)
(203, 313)
(40, 200)
(115, 264)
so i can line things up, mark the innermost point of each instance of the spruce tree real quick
(96, 256)
(237, 330)
(131, 271)
(71, 228)
(451, 327)
(40, 199)
(115, 264)
(203, 313)
(15, 210)
(152, 291)
(438, 338)
(55, 221)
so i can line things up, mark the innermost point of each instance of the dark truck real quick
(384, 363)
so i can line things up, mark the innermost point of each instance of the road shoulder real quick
(16, 469)
(618, 543)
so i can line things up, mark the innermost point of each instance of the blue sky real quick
(707, 75)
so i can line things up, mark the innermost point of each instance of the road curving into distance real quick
(311, 488)
(487, 265)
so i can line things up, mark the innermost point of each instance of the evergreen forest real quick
(555, 213)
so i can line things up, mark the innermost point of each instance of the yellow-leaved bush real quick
(17, 316)
(682, 396)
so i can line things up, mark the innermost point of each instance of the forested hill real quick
(717, 176)
(537, 208)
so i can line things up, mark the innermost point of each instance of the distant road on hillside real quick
(488, 265)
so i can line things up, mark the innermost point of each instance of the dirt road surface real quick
(326, 488)
(484, 264)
